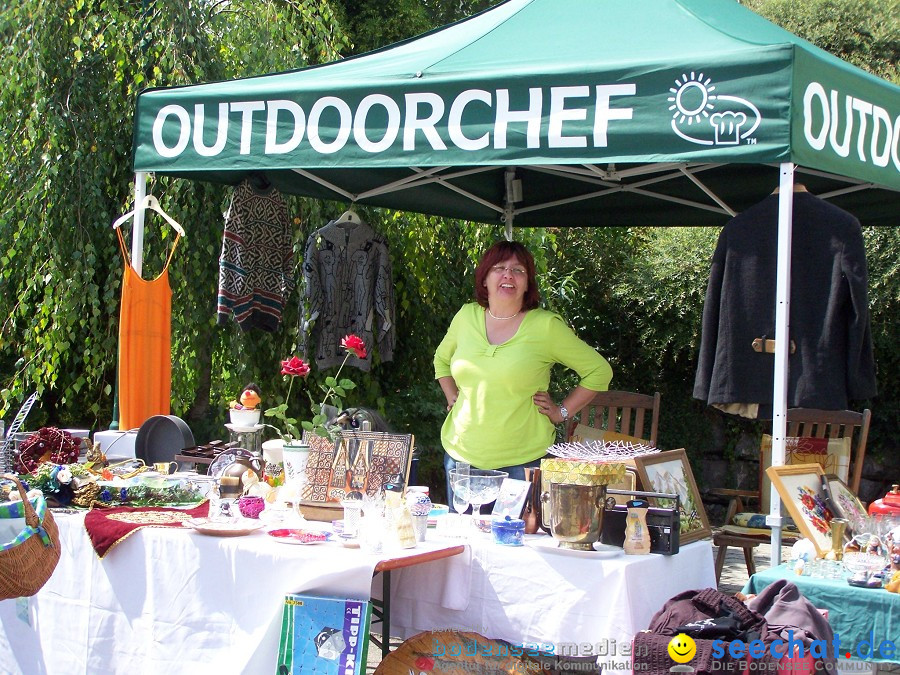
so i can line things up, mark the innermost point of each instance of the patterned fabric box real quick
(579, 472)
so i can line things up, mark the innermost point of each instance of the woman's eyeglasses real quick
(502, 269)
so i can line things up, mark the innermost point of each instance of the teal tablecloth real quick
(857, 615)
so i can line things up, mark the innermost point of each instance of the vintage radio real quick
(664, 523)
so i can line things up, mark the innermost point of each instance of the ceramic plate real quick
(118, 482)
(157, 481)
(288, 535)
(235, 528)
(242, 430)
(550, 545)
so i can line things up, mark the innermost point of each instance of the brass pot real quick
(576, 514)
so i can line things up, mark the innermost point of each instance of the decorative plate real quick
(236, 528)
(288, 535)
(223, 459)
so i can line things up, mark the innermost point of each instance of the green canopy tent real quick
(543, 113)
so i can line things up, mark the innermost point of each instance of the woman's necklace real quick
(503, 318)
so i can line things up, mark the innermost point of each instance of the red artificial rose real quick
(295, 367)
(424, 663)
(355, 344)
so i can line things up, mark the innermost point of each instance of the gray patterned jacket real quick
(348, 289)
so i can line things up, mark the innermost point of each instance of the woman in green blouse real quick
(494, 364)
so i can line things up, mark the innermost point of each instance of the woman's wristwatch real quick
(564, 412)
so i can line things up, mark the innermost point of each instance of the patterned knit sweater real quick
(256, 265)
(347, 274)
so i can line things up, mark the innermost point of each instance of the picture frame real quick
(844, 504)
(800, 487)
(671, 472)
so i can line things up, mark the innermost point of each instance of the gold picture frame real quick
(802, 493)
(845, 504)
(670, 472)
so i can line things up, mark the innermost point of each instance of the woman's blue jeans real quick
(517, 472)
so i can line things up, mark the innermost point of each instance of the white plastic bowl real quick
(244, 418)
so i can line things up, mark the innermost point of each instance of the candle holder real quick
(838, 526)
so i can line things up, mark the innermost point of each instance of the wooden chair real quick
(801, 422)
(623, 412)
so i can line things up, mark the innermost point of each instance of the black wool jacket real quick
(829, 315)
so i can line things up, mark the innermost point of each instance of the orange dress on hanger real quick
(145, 344)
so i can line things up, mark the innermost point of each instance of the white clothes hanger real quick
(150, 202)
(347, 217)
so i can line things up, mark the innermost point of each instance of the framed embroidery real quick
(800, 487)
(845, 504)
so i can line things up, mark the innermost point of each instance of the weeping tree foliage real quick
(72, 72)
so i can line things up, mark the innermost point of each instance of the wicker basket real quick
(25, 568)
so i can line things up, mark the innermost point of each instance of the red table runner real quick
(107, 526)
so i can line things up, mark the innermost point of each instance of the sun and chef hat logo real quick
(703, 116)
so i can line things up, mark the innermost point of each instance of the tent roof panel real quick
(528, 84)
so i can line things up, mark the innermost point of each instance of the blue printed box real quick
(327, 636)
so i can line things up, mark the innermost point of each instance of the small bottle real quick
(399, 518)
(637, 536)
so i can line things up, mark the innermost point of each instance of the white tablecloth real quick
(571, 602)
(171, 601)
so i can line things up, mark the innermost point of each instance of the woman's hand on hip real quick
(546, 406)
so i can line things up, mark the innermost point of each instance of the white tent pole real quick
(782, 340)
(137, 232)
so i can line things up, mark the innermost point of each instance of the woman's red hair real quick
(495, 255)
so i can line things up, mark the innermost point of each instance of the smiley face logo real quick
(682, 648)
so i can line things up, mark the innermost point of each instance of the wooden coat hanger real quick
(150, 202)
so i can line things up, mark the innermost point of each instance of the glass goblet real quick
(477, 487)
(459, 504)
